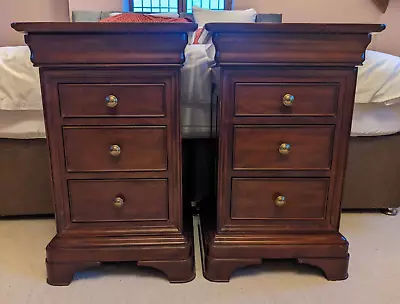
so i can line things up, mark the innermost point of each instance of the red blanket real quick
(142, 18)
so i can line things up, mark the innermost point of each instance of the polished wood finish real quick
(175, 270)
(266, 99)
(115, 160)
(255, 199)
(220, 270)
(310, 147)
(335, 269)
(106, 43)
(296, 28)
(176, 29)
(61, 274)
(291, 43)
(280, 170)
(142, 148)
(142, 200)
(137, 100)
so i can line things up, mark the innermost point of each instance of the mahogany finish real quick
(310, 147)
(256, 198)
(106, 43)
(111, 103)
(142, 200)
(303, 44)
(142, 148)
(274, 201)
(265, 99)
(140, 100)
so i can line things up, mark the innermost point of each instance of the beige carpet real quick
(374, 273)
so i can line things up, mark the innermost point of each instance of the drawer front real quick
(267, 198)
(275, 99)
(119, 200)
(282, 147)
(85, 100)
(115, 148)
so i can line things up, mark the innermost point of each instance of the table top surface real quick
(102, 27)
(117, 27)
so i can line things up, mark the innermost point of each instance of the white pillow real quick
(203, 16)
(378, 79)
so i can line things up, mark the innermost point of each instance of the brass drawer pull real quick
(288, 100)
(115, 150)
(280, 201)
(112, 101)
(118, 202)
(284, 149)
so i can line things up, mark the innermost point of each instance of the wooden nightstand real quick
(286, 101)
(111, 103)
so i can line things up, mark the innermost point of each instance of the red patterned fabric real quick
(142, 18)
(197, 35)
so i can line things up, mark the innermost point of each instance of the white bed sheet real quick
(378, 79)
(19, 80)
(196, 89)
(20, 91)
(375, 119)
(22, 124)
(368, 120)
(23, 118)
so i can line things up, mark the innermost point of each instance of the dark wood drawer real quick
(280, 99)
(141, 148)
(118, 200)
(282, 147)
(134, 100)
(268, 198)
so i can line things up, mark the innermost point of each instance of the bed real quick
(23, 152)
(372, 174)
(24, 174)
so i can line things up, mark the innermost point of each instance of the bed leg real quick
(390, 211)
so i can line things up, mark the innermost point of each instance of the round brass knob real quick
(112, 101)
(288, 100)
(280, 201)
(284, 149)
(118, 202)
(115, 150)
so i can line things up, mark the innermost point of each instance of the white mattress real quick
(24, 119)
(20, 92)
(368, 120)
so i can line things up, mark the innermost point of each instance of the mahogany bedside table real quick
(111, 103)
(286, 94)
